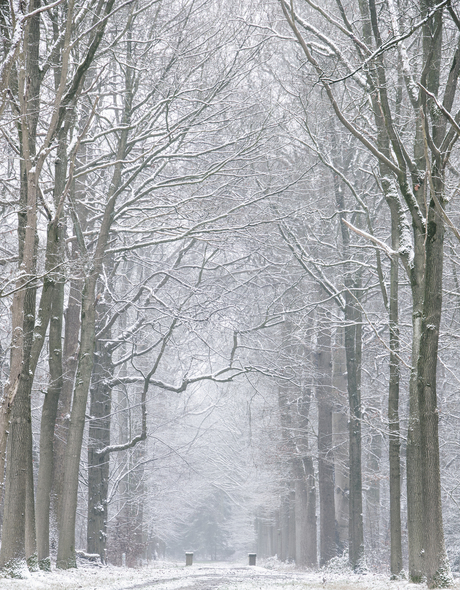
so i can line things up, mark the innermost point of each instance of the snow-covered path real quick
(201, 577)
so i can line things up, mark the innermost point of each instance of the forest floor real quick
(204, 576)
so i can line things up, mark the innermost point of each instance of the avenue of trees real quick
(229, 282)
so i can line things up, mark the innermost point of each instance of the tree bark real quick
(353, 352)
(18, 532)
(98, 464)
(372, 475)
(51, 312)
(436, 565)
(353, 344)
(311, 559)
(66, 557)
(340, 440)
(28, 76)
(325, 448)
(305, 482)
(396, 562)
(70, 358)
(48, 420)
(415, 515)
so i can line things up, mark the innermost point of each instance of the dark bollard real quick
(252, 558)
(188, 558)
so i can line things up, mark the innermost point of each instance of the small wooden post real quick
(188, 558)
(252, 558)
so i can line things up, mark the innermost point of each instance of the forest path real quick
(204, 576)
(214, 577)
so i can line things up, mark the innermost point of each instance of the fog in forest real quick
(230, 304)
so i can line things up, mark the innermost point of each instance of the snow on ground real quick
(221, 576)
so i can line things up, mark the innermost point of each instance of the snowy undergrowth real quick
(170, 576)
(100, 578)
(273, 563)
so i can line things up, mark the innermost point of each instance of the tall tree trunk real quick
(66, 551)
(69, 368)
(340, 440)
(396, 563)
(292, 555)
(120, 535)
(18, 532)
(398, 226)
(287, 528)
(374, 457)
(98, 465)
(298, 533)
(436, 565)
(288, 448)
(353, 352)
(328, 548)
(51, 312)
(301, 508)
(311, 558)
(305, 486)
(48, 420)
(413, 451)
(353, 344)
(135, 499)
(27, 85)
(70, 352)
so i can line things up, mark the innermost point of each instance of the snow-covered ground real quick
(222, 576)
